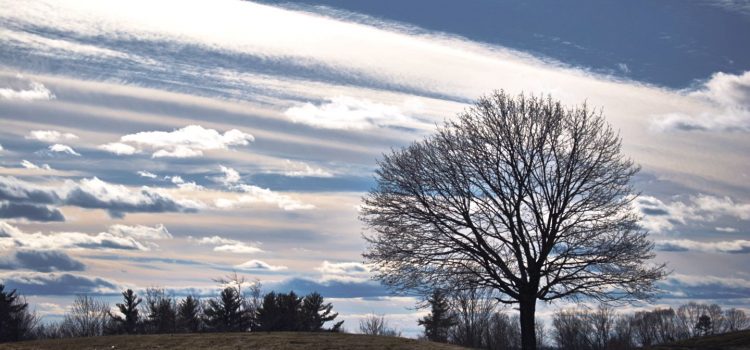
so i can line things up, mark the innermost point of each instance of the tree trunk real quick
(528, 329)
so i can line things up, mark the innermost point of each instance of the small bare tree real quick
(523, 196)
(377, 325)
(87, 317)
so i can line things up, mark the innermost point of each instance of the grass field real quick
(729, 341)
(231, 341)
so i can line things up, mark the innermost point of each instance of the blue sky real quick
(168, 143)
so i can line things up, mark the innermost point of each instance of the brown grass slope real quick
(728, 341)
(231, 341)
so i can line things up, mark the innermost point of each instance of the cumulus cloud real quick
(147, 174)
(118, 148)
(50, 136)
(229, 177)
(252, 195)
(38, 283)
(94, 193)
(301, 169)
(186, 142)
(678, 285)
(257, 265)
(227, 245)
(344, 271)
(21, 89)
(41, 261)
(64, 149)
(729, 92)
(659, 216)
(141, 231)
(28, 211)
(110, 240)
(182, 184)
(735, 247)
(351, 113)
(29, 165)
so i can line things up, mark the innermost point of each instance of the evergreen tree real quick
(129, 320)
(315, 313)
(440, 320)
(162, 313)
(16, 322)
(225, 314)
(704, 326)
(188, 314)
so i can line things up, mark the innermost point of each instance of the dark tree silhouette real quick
(280, 312)
(315, 313)
(161, 311)
(225, 314)
(438, 322)
(128, 322)
(188, 314)
(704, 326)
(523, 196)
(16, 322)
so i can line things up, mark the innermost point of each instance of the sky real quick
(168, 143)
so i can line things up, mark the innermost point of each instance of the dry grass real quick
(231, 341)
(729, 341)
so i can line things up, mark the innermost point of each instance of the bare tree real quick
(87, 317)
(522, 196)
(377, 325)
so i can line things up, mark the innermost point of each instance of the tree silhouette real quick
(437, 324)
(523, 196)
(289, 312)
(188, 314)
(128, 322)
(15, 320)
(161, 311)
(225, 314)
(704, 326)
(315, 313)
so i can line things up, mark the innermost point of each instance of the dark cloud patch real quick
(670, 247)
(12, 189)
(151, 203)
(332, 288)
(42, 261)
(30, 212)
(704, 287)
(58, 284)
(654, 211)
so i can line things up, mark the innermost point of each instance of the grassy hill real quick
(231, 341)
(729, 341)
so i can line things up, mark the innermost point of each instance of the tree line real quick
(474, 318)
(157, 312)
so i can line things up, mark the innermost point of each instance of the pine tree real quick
(704, 326)
(129, 320)
(440, 320)
(188, 314)
(15, 319)
(225, 314)
(315, 313)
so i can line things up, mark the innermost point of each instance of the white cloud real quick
(147, 174)
(729, 92)
(301, 169)
(227, 245)
(30, 92)
(229, 178)
(344, 271)
(29, 165)
(254, 195)
(60, 148)
(659, 216)
(118, 148)
(257, 265)
(350, 113)
(726, 229)
(141, 231)
(50, 136)
(189, 141)
(736, 246)
(113, 239)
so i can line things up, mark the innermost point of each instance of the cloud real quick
(32, 212)
(65, 149)
(229, 178)
(351, 113)
(659, 216)
(227, 245)
(41, 261)
(118, 148)
(37, 283)
(704, 287)
(344, 271)
(141, 231)
(677, 245)
(29, 165)
(729, 92)
(110, 240)
(301, 169)
(147, 174)
(257, 265)
(331, 288)
(182, 184)
(186, 142)
(50, 136)
(20, 89)
(254, 195)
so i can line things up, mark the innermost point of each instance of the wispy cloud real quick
(679, 245)
(257, 265)
(50, 136)
(227, 245)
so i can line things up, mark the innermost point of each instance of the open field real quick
(729, 341)
(231, 341)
